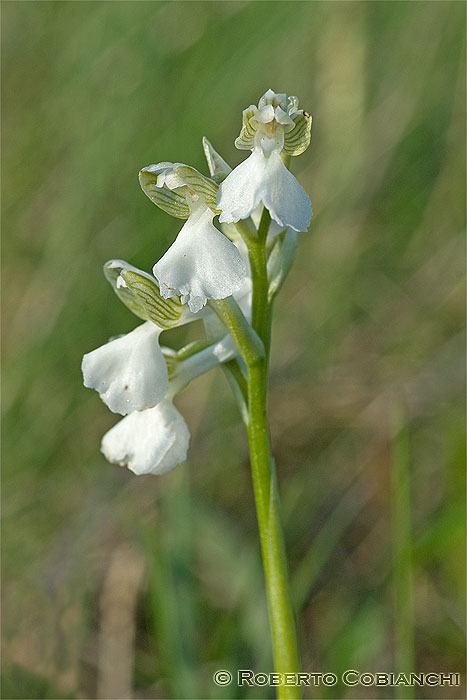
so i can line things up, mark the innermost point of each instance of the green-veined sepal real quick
(246, 139)
(165, 313)
(169, 201)
(172, 186)
(298, 139)
(112, 270)
(199, 185)
(140, 292)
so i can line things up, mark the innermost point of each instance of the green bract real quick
(139, 291)
(218, 168)
(281, 260)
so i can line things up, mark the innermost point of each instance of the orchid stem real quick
(253, 345)
(264, 476)
(261, 310)
(248, 342)
(270, 528)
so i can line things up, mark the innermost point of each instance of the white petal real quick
(265, 114)
(273, 98)
(240, 193)
(130, 372)
(283, 118)
(148, 442)
(267, 180)
(201, 264)
(286, 200)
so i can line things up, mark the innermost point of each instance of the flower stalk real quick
(264, 476)
(253, 345)
(236, 264)
(271, 533)
(261, 310)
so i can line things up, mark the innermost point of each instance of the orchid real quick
(155, 440)
(276, 126)
(228, 278)
(137, 378)
(129, 372)
(202, 264)
(148, 442)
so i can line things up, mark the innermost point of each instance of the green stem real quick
(238, 384)
(248, 343)
(264, 475)
(235, 370)
(270, 530)
(255, 354)
(246, 229)
(261, 313)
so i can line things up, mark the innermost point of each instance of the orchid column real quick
(228, 277)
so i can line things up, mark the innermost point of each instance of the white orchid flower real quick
(129, 373)
(148, 442)
(156, 440)
(202, 263)
(275, 126)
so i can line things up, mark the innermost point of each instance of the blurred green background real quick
(118, 586)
